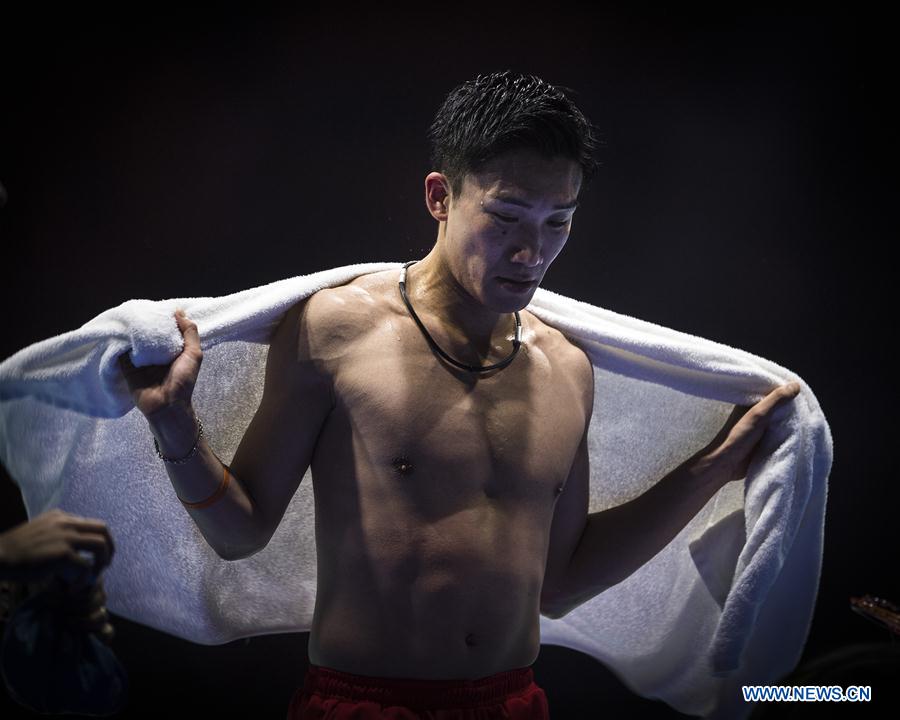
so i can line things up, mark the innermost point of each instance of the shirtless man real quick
(449, 502)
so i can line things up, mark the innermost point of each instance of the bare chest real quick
(442, 439)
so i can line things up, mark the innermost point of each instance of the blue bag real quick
(51, 666)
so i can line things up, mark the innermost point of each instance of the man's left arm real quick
(617, 541)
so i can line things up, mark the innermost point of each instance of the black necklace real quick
(471, 368)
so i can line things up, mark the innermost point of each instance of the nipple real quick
(402, 465)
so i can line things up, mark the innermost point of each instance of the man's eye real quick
(508, 219)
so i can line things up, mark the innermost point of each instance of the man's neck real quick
(433, 289)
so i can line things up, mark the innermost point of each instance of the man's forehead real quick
(561, 190)
(526, 199)
(523, 178)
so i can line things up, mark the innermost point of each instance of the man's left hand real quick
(732, 449)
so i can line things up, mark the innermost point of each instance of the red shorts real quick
(335, 695)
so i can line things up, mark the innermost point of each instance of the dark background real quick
(748, 173)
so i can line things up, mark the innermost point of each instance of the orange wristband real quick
(215, 496)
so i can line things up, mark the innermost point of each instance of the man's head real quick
(484, 117)
(511, 154)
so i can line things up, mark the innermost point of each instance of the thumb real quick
(189, 331)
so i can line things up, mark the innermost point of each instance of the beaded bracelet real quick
(186, 457)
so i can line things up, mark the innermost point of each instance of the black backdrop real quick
(749, 156)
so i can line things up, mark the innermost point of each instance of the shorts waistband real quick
(418, 691)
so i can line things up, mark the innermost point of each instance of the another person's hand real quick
(155, 388)
(48, 546)
(732, 449)
(87, 611)
(45, 553)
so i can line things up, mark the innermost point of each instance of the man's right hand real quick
(155, 388)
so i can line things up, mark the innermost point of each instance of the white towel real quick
(728, 602)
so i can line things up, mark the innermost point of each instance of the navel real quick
(470, 639)
(402, 465)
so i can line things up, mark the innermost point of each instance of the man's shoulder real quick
(552, 340)
(342, 312)
(572, 360)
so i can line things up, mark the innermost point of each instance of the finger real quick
(778, 397)
(107, 633)
(189, 331)
(791, 389)
(786, 391)
(52, 515)
(94, 527)
(775, 397)
(85, 523)
(83, 565)
(98, 618)
(94, 542)
(90, 621)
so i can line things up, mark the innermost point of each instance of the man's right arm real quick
(273, 455)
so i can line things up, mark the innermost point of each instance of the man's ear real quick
(437, 195)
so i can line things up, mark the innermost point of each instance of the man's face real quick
(510, 222)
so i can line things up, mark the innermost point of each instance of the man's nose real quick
(528, 250)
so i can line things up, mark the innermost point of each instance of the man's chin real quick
(505, 302)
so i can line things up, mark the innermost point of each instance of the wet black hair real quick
(492, 114)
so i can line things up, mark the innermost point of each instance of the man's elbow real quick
(233, 554)
(242, 548)
(553, 614)
(553, 608)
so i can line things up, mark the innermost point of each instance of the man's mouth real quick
(517, 284)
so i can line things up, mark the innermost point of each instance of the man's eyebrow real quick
(516, 201)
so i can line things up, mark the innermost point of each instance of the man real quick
(446, 428)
